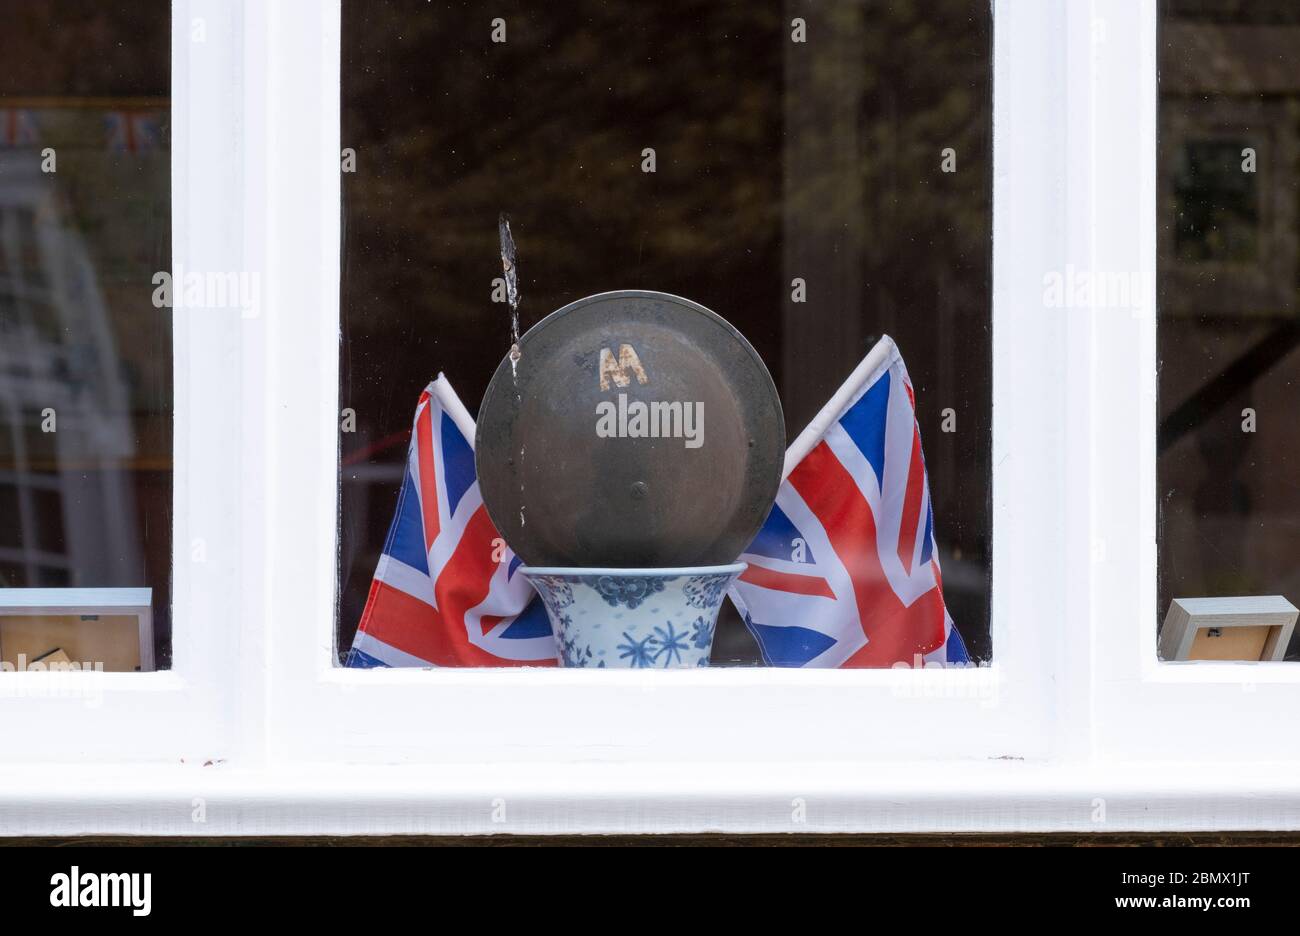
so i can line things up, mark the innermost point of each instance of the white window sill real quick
(993, 796)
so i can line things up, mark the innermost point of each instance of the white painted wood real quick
(1077, 726)
(1074, 456)
(186, 712)
(487, 799)
(322, 714)
(1140, 708)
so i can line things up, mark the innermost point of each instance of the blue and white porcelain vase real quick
(633, 618)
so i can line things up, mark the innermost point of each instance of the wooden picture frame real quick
(66, 613)
(1246, 628)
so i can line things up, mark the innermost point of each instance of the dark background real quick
(776, 160)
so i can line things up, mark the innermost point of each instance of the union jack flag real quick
(132, 131)
(17, 128)
(447, 592)
(845, 572)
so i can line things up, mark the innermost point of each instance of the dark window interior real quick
(86, 499)
(1229, 173)
(775, 160)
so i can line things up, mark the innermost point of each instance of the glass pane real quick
(85, 356)
(1229, 446)
(816, 174)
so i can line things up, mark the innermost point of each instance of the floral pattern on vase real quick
(629, 590)
(705, 591)
(557, 594)
(570, 654)
(633, 618)
(702, 633)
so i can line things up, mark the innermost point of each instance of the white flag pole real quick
(808, 439)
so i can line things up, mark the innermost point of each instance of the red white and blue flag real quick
(17, 127)
(845, 572)
(132, 131)
(447, 590)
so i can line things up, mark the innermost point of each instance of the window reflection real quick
(1229, 160)
(85, 357)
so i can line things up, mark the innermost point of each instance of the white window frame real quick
(182, 714)
(1075, 725)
